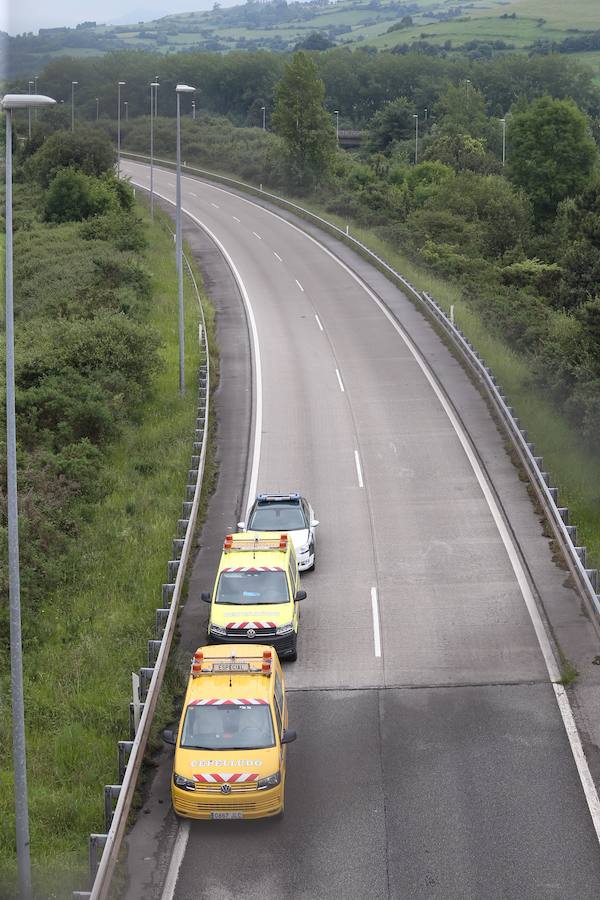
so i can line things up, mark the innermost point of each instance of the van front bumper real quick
(285, 644)
(251, 804)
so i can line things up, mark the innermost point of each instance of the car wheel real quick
(293, 656)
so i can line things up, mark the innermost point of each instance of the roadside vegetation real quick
(104, 442)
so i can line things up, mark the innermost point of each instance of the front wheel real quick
(293, 656)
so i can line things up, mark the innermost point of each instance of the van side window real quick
(293, 577)
(278, 691)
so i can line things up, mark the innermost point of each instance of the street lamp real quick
(153, 86)
(426, 113)
(156, 96)
(467, 83)
(97, 108)
(416, 118)
(336, 112)
(119, 86)
(9, 103)
(73, 83)
(29, 112)
(126, 105)
(193, 109)
(264, 112)
(179, 90)
(503, 121)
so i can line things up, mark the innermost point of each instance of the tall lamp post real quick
(503, 121)
(29, 112)
(126, 105)
(180, 89)
(264, 112)
(416, 118)
(9, 103)
(193, 109)
(153, 87)
(119, 86)
(73, 83)
(156, 97)
(337, 125)
(97, 108)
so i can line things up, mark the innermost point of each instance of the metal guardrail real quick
(104, 849)
(564, 532)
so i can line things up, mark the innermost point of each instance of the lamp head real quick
(25, 101)
(184, 89)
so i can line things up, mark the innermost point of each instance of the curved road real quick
(432, 759)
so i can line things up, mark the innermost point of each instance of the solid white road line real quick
(299, 285)
(376, 629)
(278, 256)
(236, 218)
(318, 322)
(253, 481)
(340, 382)
(358, 469)
(176, 860)
(257, 235)
(587, 782)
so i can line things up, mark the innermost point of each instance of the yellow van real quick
(256, 593)
(230, 755)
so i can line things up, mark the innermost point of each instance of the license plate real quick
(227, 815)
(230, 667)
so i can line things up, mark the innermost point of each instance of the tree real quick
(86, 149)
(316, 40)
(462, 152)
(303, 123)
(461, 110)
(393, 122)
(552, 154)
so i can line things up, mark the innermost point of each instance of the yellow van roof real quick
(231, 672)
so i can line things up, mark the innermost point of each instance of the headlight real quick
(285, 629)
(304, 548)
(185, 784)
(270, 781)
(216, 629)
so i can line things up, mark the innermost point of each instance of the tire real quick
(293, 656)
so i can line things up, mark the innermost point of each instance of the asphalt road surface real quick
(432, 760)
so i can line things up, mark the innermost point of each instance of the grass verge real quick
(78, 678)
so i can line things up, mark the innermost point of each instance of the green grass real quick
(78, 675)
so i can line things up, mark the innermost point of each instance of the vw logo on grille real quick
(225, 788)
(251, 633)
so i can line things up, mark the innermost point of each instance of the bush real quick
(88, 150)
(73, 196)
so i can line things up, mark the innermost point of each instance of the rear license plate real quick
(227, 815)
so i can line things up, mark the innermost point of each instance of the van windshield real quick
(236, 727)
(252, 586)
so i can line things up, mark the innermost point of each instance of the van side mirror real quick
(300, 595)
(314, 523)
(241, 525)
(288, 736)
(169, 736)
(205, 595)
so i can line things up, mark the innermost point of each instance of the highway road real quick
(433, 759)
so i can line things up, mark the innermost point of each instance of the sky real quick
(17, 16)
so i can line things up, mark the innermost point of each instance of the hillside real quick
(480, 29)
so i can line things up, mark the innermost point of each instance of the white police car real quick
(290, 514)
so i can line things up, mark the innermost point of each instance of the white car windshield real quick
(282, 517)
(252, 587)
(238, 727)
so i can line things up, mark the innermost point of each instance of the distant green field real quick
(349, 21)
